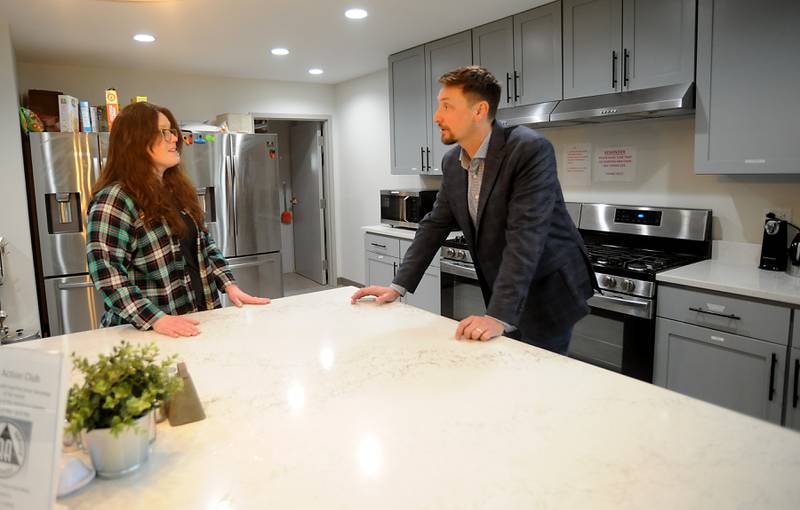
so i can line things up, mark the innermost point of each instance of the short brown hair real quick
(476, 81)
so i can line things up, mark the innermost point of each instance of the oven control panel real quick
(638, 217)
(630, 286)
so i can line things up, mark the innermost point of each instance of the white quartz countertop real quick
(402, 233)
(316, 403)
(736, 278)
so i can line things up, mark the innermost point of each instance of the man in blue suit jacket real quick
(501, 189)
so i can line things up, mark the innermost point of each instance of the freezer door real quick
(63, 170)
(73, 305)
(259, 275)
(255, 168)
(209, 167)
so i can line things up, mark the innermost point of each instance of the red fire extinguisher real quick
(286, 215)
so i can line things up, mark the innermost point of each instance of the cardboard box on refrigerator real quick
(68, 114)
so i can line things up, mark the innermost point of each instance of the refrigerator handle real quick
(235, 160)
(230, 190)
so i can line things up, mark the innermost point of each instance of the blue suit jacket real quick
(530, 259)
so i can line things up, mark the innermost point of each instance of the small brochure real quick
(33, 392)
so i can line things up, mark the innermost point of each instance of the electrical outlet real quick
(782, 213)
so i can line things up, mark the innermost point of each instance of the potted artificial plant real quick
(111, 409)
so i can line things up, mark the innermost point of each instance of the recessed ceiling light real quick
(315, 70)
(356, 13)
(279, 51)
(144, 37)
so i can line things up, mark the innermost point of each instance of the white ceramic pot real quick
(117, 456)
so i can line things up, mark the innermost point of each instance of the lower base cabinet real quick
(381, 267)
(732, 371)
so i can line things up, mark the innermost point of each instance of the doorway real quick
(305, 241)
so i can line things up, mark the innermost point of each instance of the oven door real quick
(618, 334)
(461, 293)
(393, 209)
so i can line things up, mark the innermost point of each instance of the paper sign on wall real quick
(578, 164)
(33, 391)
(615, 164)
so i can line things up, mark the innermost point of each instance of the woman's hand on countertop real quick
(175, 326)
(239, 297)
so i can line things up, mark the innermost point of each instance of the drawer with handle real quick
(725, 313)
(382, 244)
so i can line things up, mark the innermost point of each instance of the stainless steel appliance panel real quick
(689, 224)
(259, 275)
(73, 304)
(210, 169)
(255, 194)
(63, 166)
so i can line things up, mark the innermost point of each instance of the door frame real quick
(328, 189)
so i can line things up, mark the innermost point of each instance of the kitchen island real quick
(316, 403)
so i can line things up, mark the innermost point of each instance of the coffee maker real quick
(775, 243)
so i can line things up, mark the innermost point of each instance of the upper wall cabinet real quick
(408, 110)
(524, 53)
(620, 45)
(440, 57)
(747, 116)
(416, 147)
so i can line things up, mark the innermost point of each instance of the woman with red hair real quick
(149, 252)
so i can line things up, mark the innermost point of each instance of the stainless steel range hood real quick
(638, 104)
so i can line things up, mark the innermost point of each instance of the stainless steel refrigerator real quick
(236, 176)
(237, 183)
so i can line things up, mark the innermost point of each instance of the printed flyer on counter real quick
(33, 392)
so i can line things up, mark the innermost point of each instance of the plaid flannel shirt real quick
(139, 269)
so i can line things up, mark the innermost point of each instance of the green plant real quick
(119, 388)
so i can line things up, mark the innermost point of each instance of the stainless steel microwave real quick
(405, 208)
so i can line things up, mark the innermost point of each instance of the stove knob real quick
(461, 255)
(450, 253)
(609, 281)
(628, 285)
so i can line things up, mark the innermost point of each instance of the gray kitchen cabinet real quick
(592, 47)
(621, 45)
(429, 291)
(493, 48)
(408, 111)
(537, 55)
(793, 396)
(736, 372)
(658, 43)
(416, 147)
(440, 57)
(524, 53)
(747, 115)
(381, 269)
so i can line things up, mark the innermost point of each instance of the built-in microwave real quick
(405, 208)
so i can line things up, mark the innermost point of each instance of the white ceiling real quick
(233, 37)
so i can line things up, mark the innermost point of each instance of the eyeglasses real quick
(169, 134)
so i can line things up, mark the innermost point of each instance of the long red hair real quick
(129, 164)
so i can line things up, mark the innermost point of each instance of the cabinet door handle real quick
(516, 94)
(428, 155)
(613, 69)
(772, 376)
(796, 374)
(394, 271)
(716, 314)
(508, 88)
(625, 55)
(422, 158)
(378, 245)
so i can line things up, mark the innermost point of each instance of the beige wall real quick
(191, 98)
(18, 294)
(665, 176)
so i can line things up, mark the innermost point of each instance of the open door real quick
(309, 207)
